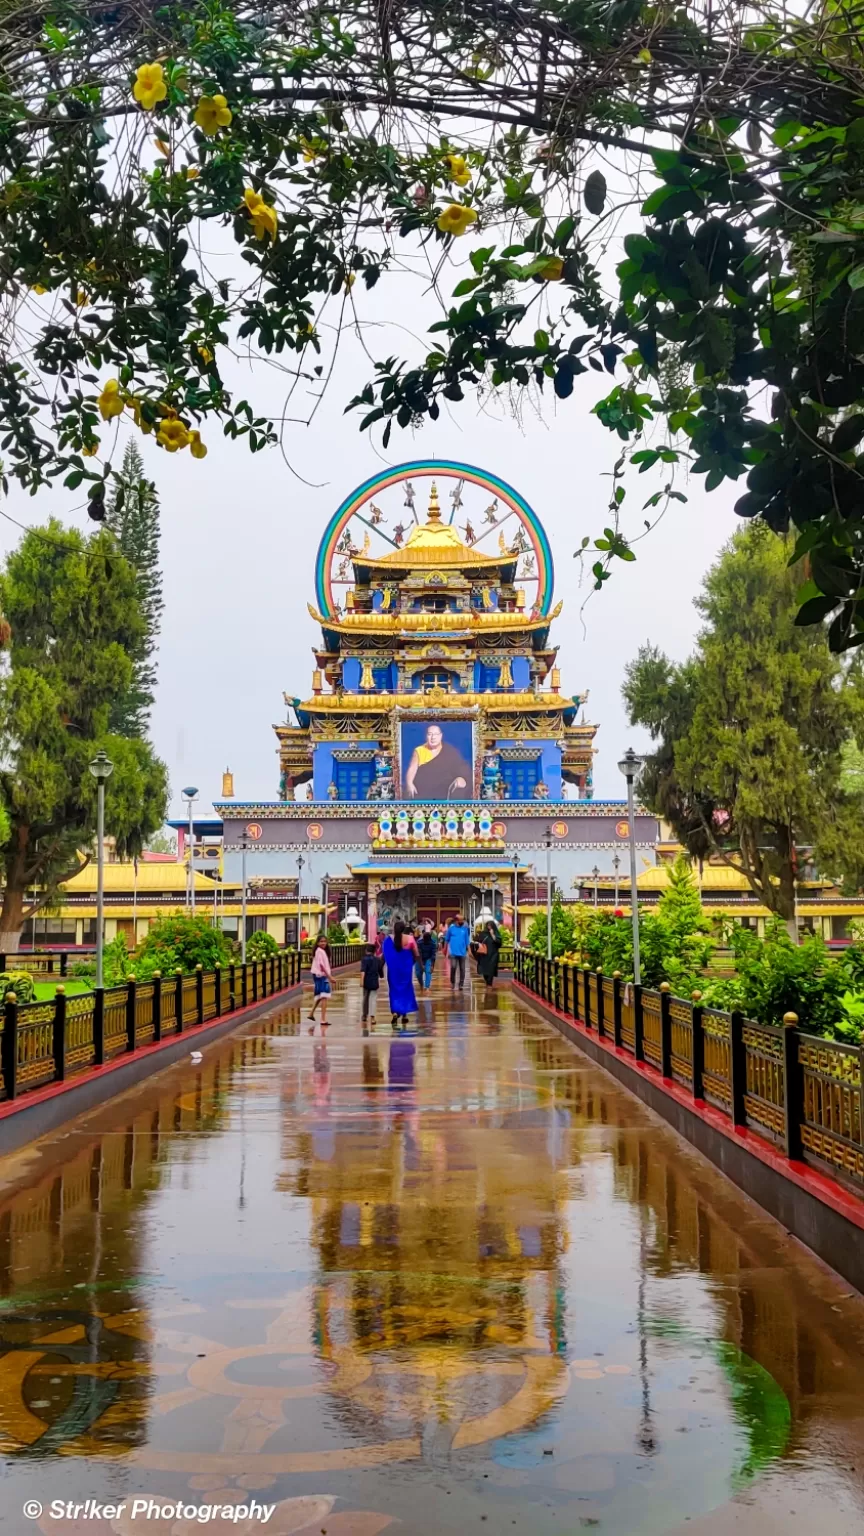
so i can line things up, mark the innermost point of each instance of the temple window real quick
(520, 779)
(436, 604)
(434, 677)
(353, 779)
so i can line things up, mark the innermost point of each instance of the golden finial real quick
(434, 517)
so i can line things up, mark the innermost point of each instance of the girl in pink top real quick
(320, 969)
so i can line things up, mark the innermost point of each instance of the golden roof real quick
(120, 877)
(715, 877)
(437, 543)
(523, 703)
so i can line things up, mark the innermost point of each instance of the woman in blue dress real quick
(399, 959)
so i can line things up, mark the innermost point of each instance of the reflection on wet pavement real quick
(422, 1280)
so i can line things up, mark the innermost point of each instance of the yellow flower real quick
(553, 271)
(213, 113)
(457, 165)
(350, 280)
(141, 421)
(311, 150)
(150, 87)
(172, 434)
(91, 449)
(205, 354)
(192, 173)
(39, 288)
(197, 449)
(456, 219)
(82, 297)
(111, 402)
(264, 218)
(163, 148)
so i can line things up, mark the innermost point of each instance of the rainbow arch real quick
(415, 471)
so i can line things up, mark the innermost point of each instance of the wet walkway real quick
(429, 1283)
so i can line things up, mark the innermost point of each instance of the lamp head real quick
(630, 765)
(101, 766)
(190, 793)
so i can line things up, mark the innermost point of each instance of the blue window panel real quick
(520, 779)
(488, 677)
(383, 678)
(353, 779)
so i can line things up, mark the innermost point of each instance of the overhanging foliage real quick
(334, 145)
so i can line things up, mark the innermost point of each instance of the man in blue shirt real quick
(457, 948)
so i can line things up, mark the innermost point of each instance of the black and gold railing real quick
(798, 1091)
(47, 1042)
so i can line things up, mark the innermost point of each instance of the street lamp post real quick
(244, 848)
(548, 893)
(300, 862)
(596, 873)
(101, 768)
(516, 863)
(630, 765)
(616, 865)
(190, 795)
(325, 882)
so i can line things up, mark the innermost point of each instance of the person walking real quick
(428, 947)
(371, 967)
(321, 973)
(486, 950)
(457, 948)
(399, 960)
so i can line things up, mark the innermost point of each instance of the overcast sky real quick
(240, 533)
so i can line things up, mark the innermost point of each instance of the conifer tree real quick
(133, 518)
(750, 731)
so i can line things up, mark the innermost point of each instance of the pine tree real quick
(133, 518)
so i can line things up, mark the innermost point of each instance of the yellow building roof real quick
(120, 877)
(715, 877)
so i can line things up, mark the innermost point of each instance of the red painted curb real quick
(820, 1185)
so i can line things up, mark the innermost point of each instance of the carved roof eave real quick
(379, 702)
(406, 559)
(419, 623)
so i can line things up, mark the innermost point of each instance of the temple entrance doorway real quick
(439, 910)
(429, 903)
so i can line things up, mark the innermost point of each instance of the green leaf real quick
(815, 610)
(657, 198)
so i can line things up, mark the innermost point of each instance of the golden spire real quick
(434, 518)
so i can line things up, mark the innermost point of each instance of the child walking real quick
(320, 969)
(372, 967)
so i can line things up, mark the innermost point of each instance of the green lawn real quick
(45, 989)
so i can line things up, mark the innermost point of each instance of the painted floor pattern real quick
(434, 1280)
